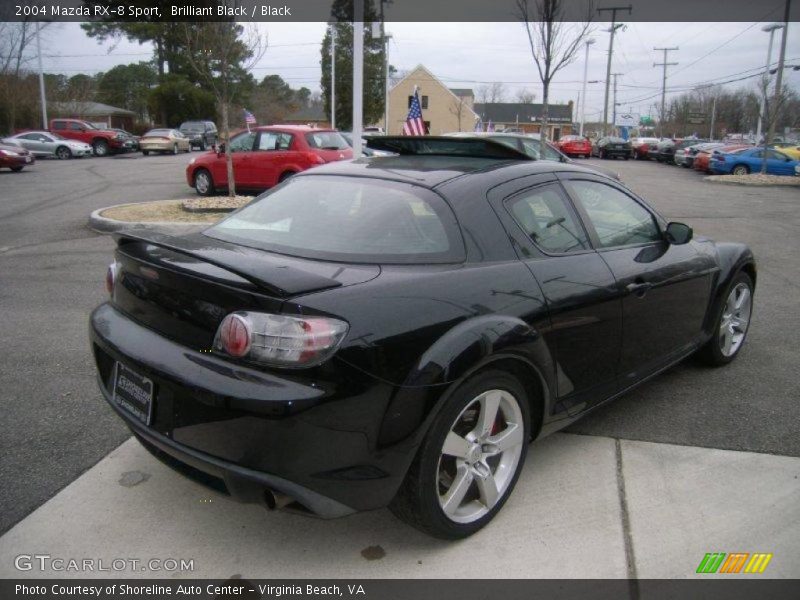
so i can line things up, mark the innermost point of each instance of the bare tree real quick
(491, 93)
(525, 96)
(457, 107)
(15, 40)
(554, 44)
(773, 109)
(222, 53)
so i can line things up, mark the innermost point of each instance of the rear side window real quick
(544, 215)
(270, 140)
(59, 125)
(348, 219)
(326, 140)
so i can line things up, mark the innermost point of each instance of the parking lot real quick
(52, 269)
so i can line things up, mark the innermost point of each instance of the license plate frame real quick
(133, 393)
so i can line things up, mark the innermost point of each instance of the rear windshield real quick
(192, 126)
(348, 219)
(158, 133)
(326, 140)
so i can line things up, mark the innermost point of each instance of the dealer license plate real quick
(134, 393)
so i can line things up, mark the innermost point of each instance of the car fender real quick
(465, 349)
(732, 258)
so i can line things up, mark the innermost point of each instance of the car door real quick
(585, 331)
(33, 143)
(242, 156)
(779, 164)
(664, 288)
(273, 150)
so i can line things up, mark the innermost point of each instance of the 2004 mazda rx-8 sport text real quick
(395, 330)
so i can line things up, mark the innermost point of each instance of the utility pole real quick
(713, 116)
(385, 39)
(358, 76)
(614, 112)
(614, 27)
(333, 75)
(41, 75)
(779, 79)
(665, 64)
(588, 43)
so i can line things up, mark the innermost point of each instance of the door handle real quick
(638, 287)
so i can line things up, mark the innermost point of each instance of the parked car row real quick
(721, 158)
(14, 157)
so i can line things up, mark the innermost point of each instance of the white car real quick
(45, 143)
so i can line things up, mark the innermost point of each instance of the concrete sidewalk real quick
(585, 507)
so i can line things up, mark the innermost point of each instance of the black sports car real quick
(395, 330)
(612, 147)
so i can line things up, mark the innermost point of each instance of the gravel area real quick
(216, 203)
(161, 211)
(755, 179)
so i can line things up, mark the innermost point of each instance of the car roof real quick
(434, 170)
(298, 128)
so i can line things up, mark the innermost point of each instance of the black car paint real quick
(340, 436)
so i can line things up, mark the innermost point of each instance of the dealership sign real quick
(626, 120)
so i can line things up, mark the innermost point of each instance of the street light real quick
(771, 29)
(589, 42)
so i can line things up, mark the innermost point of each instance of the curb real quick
(793, 184)
(102, 224)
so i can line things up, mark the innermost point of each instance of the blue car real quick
(748, 160)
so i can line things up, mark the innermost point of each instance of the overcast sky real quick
(473, 54)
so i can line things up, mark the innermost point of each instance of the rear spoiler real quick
(429, 145)
(272, 273)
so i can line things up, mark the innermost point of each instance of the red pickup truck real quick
(102, 141)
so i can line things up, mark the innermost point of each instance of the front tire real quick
(17, 169)
(174, 148)
(146, 152)
(63, 153)
(470, 459)
(731, 324)
(203, 183)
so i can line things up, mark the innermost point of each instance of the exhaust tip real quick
(275, 500)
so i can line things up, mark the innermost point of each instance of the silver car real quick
(45, 143)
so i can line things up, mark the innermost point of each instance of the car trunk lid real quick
(184, 286)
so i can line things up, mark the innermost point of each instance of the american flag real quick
(478, 125)
(490, 127)
(249, 118)
(414, 124)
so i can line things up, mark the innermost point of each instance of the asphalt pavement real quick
(52, 270)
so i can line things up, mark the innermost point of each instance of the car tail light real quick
(279, 340)
(111, 278)
(315, 158)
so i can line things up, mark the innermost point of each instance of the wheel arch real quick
(487, 342)
(734, 258)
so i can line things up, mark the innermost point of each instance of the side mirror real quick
(679, 233)
(221, 149)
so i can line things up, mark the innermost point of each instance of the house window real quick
(423, 100)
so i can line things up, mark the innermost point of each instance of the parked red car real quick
(102, 141)
(15, 157)
(265, 156)
(575, 145)
(641, 147)
(702, 159)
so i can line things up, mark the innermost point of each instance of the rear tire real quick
(100, 148)
(740, 170)
(285, 176)
(470, 460)
(731, 324)
(203, 183)
(146, 152)
(17, 169)
(174, 148)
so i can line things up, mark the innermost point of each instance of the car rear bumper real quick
(249, 430)
(17, 161)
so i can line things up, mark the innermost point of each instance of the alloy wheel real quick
(480, 456)
(202, 183)
(735, 319)
(63, 153)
